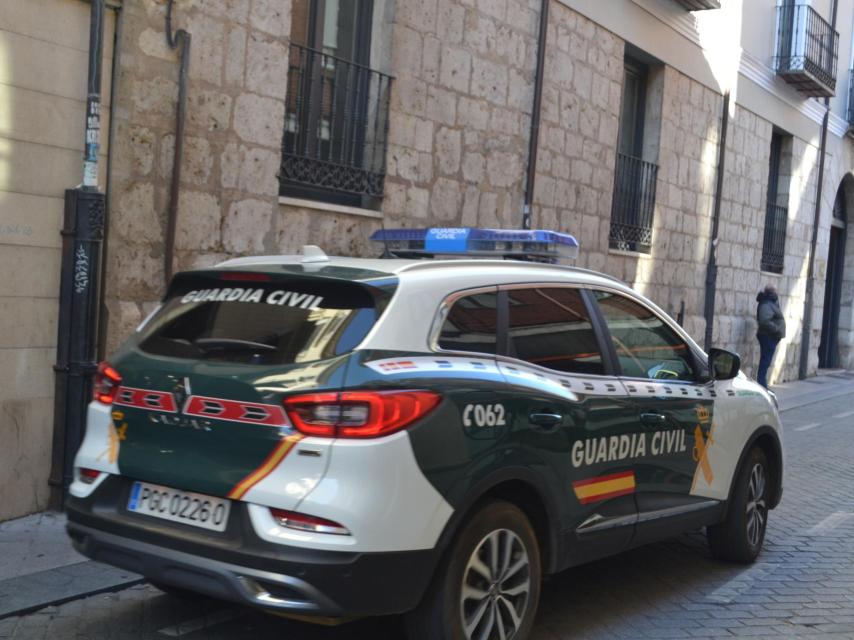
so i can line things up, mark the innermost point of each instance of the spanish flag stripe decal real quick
(270, 463)
(604, 487)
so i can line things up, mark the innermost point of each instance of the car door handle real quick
(545, 419)
(653, 419)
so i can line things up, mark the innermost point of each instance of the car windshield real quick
(264, 323)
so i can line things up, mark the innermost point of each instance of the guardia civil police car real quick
(338, 437)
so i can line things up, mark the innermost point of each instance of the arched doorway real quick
(828, 349)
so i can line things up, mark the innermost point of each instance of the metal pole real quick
(803, 364)
(82, 235)
(534, 142)
(712, 264)
(93, 97)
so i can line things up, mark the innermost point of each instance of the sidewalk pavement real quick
(39, 568)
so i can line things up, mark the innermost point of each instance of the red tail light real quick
(303, 522)
(88, 476)
(358, 414)
(106, 384)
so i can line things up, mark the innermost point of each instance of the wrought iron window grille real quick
(633, 204)
(335, 129)
(774, 240)
(807, 50)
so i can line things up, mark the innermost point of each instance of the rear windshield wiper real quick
(231, 344)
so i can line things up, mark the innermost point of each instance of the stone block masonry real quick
(229, 194)
(457, 154)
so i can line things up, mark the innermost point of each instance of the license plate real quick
(195, 509)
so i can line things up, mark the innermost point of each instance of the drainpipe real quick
(803, 364)
(176, 39)
(111, 135)
(712, 264)
(80, 275)
(808, 302)
(534, 142)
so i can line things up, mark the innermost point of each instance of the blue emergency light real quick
(532, 244)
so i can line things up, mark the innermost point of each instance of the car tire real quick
(502, 591)
(739, 538)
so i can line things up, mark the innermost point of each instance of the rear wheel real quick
(739, 538)
(488, 586)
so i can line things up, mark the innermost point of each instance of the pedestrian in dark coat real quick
(771, 328)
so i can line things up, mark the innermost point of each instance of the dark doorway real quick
(828, 349)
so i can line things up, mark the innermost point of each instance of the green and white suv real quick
(341, 437)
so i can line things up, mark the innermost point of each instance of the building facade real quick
(669, 132)
(43, 64)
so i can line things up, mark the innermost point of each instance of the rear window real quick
(264, 323)
(471, 324)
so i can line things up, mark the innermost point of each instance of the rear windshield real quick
(264, 323)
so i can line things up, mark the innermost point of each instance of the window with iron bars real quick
(633, 201)
(777, 213)
(337, 107)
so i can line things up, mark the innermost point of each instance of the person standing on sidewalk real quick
(771, 328)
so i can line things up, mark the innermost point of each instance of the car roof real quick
(479, 272)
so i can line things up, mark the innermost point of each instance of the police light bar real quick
(507, 243)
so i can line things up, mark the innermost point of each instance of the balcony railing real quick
(336, 129)
(699, 5)
(807, 50)
(774, 241)
(633, 205)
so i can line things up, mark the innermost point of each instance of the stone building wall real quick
(578, 133)
(458, 141)
(235, 106)
(575, 175)
(43, 66)
(461, 110)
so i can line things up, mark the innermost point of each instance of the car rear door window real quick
(550, 327)
(267, 322)
(471, 324)
(645, 346)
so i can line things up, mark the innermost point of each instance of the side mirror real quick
(723, 364)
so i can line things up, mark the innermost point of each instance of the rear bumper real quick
(238, 566)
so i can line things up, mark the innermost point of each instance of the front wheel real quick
(739, 538)
(488, 586)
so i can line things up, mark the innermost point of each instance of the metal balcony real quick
(807, 50)
(336, 129)
(699, 5)
(774, 240)
(633, 204)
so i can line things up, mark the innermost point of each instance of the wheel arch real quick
(765, 438)
(521, 488)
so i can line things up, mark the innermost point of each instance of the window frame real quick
(442, 315)
(355, 107)
(503, 352)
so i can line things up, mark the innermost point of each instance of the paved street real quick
(802, 586)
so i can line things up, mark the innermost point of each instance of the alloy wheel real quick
(496, 587)
(757, 510)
